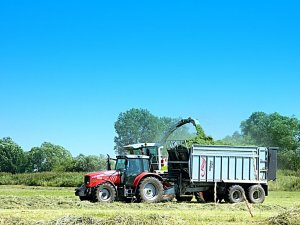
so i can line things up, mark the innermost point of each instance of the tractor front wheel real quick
(105, 193)
(150, 190)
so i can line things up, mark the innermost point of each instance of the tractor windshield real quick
(120, 165)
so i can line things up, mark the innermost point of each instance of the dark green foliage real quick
(11, 156)
(89, 163)
(48, 157)
(135, 126)
(140, 126)
(272, 130)
(289, 159)
(275, 130)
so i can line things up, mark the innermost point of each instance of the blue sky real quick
(68, 68)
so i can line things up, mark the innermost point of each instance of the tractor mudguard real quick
(144, 175)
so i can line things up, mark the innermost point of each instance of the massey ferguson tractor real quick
(131, 179)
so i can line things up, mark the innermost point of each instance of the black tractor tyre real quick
(235, 194)
(105, 193)
(150, 190)
(184, 198)
(256, 194)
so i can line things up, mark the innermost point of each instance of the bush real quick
(47, 179)
(287, 180)
(289, 160)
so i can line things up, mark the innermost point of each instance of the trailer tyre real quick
(256, 194)
(105, 193)
(150, 190)
(235, 194)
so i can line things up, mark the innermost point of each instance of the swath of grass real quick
(289, 217)
(120, 220)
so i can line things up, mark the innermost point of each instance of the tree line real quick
(141, 126)
(47, 157)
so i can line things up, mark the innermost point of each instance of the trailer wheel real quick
(150, 190)
(235, 194)
(105, 193)
(256, 194)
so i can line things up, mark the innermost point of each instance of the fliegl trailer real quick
(213, 173)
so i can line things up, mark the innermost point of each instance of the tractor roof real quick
(134, 156)
(139, 145)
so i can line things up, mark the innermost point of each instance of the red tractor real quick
(131, 180)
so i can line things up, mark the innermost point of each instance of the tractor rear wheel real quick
(105, 193)
(235, 194)
(150, 190)
(256, 194)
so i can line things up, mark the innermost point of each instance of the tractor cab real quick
(130, 166)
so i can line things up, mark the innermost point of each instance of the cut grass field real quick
(58, 205)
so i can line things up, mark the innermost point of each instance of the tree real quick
(238, 139)
(140, 126)
(135, 126)
(11, 156)
(278, 131)
(89, 163)
(48, 157)
(272, 130)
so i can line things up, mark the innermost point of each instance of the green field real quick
(58, 205)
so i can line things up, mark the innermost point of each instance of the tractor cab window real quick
(134, 166)
(120, 165)
(153, 153)
(152, 150)
(145, 165)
